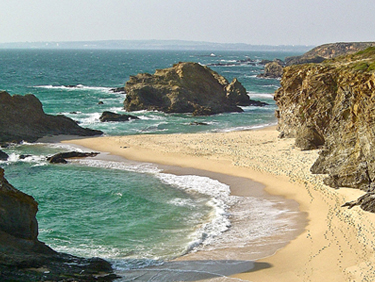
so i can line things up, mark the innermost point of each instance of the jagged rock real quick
(60, 158)
(24, 258)
(3, 156)
(184, 88)
(22, 119)
(273, 70)
(366, 202)
(238, 95)
(337, 99)
(109, 116)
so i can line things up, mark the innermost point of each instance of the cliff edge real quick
(331, 105)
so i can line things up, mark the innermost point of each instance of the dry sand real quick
(337, 243)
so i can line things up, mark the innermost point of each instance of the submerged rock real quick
(336, 100)
(185, 88)
(24, 258)
(109, 116)
(22, 119)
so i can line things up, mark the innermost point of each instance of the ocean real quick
(134, 214)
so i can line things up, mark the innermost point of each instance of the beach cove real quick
(337, 243)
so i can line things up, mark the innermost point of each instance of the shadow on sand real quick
(204, 270)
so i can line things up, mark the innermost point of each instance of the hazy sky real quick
(270, 22)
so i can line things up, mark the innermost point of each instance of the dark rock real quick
(22, 119)
(109, 116)
(24, 258)
(100, 103)
(198, 123)
(60, 158)
(118, 90)
(22, 157)
(366, 202)
(3, 156)
(184, 88)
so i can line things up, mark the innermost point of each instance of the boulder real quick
(272, 70)
(24, 258)
(308, 138)
(60, 158)
(184, 88)
(109, 116)
(22, 119)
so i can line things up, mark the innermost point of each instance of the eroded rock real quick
(337, 99)
(185, 88)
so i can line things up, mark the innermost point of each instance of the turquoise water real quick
(130, 213)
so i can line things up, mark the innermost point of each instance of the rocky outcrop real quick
(24, 258)
(328, 51)
(109, 116)
(335, 101)
(185, 88)
(60, 158)
(22, 119)
(272, 70)
(3, 156)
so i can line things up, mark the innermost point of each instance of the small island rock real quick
(184, 88)
(109, 116)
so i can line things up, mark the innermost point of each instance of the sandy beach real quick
(337, 244)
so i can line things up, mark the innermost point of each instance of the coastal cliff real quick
(24, 258)
(22, 119)
(186, 88)
(331, 106)
(328, 51)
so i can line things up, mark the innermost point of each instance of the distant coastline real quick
(152, 45)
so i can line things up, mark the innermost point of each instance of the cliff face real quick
(185, 88)
(22, 119)
(333, 103)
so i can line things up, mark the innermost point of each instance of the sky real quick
(256, 22)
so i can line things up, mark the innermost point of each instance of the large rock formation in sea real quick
(24, 258)
(186, 88)
(22, 119)
(331, 105)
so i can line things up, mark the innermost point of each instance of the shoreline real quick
(337, 243)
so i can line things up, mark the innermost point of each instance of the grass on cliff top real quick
(362, 61)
